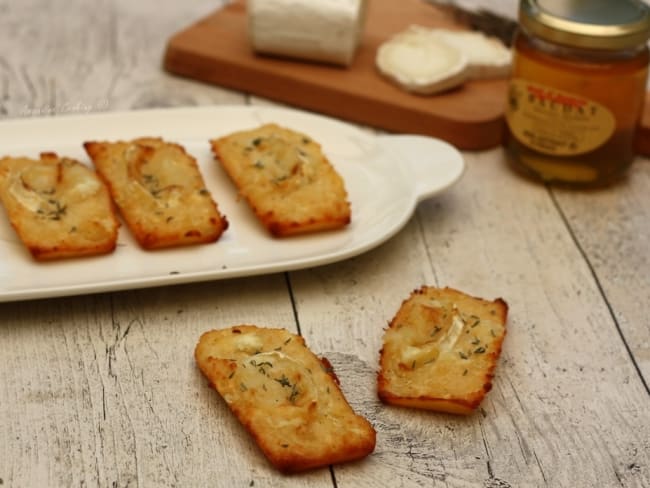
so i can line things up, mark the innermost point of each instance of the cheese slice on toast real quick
(58, 206)
(287, 398)
(159, 191)
(440, 351)
(285, 178)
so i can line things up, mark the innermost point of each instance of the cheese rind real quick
(325, 30)
(287, 398)
(431, 60)
(487, 57)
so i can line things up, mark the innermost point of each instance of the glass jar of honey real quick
(577, 90)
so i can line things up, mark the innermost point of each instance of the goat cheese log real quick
(325, 30)
(288, 399)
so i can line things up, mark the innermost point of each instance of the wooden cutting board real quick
(217, 50)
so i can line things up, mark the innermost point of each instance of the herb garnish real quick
(261, 367)
(294, 393)
(57, 212)
(284, 381)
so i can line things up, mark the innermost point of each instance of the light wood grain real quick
(94, 56)
(102, 390)
(611, 229)
(565, 373)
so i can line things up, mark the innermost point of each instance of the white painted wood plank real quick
(612, 226)
(80, 56)
(103, 390)
(567, 408)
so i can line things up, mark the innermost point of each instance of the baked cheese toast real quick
(285, 178)
(159, 191)
(58, 206)
(440, 351)
(287, 398)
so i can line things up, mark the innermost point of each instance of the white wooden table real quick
(102, 390)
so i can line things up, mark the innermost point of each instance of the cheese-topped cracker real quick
(440, 350)
(59, 207)
(285, 178)
(287, 398)
(159, 191)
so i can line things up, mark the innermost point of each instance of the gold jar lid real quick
(594, 24)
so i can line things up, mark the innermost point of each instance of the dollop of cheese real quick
(248, 343)
(26, 197)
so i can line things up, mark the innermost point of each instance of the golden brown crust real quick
(59, 207)
(285, 178)
(159, 190)
(287, 399)
(440, 351)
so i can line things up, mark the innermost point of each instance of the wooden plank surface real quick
(102, 390)
(558, 400)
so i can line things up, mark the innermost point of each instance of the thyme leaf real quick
(284, 381)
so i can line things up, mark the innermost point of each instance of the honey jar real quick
(577, 90)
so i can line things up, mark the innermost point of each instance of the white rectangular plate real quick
(385, 176)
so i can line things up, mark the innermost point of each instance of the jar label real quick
(556, 122)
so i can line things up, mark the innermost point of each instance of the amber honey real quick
(577, 91)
